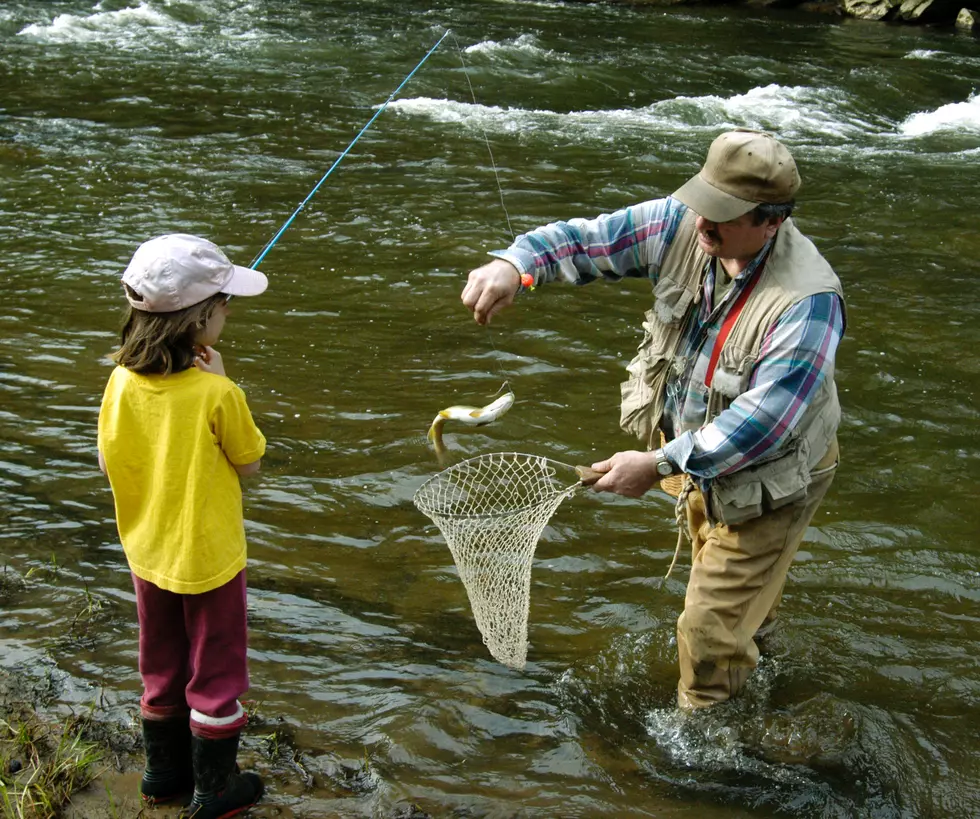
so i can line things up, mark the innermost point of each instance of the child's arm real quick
(244, 470)
(241, 441)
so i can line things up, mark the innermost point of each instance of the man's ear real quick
(773, 226)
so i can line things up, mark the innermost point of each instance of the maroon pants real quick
(193, 655)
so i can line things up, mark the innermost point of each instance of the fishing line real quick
(258, 259)
(500, 191)
(486, 139)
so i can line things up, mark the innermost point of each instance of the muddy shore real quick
(35, 723)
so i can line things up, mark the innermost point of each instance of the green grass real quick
(42, 765)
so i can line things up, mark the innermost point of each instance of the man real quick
(733, 384)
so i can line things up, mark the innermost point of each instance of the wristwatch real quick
(664, 467)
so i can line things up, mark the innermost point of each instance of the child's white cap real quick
(177, 270)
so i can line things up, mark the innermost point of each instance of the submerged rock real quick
(869, 9)
(968, 20)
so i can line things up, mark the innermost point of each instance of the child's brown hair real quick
(162, 343)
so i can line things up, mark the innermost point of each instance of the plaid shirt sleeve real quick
(630, 242)
(796, 356)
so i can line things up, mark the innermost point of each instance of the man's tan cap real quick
(743, 169)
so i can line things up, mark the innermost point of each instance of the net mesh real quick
(491, 510)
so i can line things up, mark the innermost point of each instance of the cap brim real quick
(245, 282)
(710, 202)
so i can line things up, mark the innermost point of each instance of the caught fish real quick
(471, 416)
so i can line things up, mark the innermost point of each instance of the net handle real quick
(587, 475)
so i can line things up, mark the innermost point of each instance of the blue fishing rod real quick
(258, 259)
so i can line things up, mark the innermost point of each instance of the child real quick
(174, 435)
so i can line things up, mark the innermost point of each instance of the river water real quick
(371, 689)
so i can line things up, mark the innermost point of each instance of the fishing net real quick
(491, 510)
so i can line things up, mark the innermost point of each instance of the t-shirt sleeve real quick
(239, 438)
(109, 397)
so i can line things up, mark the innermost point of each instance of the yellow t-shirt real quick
(169, 442)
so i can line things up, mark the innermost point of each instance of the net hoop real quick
(426, 493)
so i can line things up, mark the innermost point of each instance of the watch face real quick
(664, 468)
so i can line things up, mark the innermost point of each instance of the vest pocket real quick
(761, 488)
(641, 396)
(636, 411)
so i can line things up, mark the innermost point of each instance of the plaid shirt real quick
(797, 353)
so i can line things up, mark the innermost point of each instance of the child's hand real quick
(208, 359)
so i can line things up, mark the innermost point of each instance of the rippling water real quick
(121, 120)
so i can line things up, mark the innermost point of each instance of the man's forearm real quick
(630, 242)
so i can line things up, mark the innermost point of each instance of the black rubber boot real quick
(219, 790)
(168, 776)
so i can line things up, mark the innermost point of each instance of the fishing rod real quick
(258, 259)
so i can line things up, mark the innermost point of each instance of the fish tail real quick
(435, 437)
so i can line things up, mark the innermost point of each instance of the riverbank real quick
(965, 16)
(58, 762)
(49, 759)
(70, 750)
(61, 762)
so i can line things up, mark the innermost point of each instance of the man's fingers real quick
(469, 294)
(497, 306)
(486, 306)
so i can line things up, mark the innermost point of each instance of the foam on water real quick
(792, 110)
(545, 4)
(121, 25)
(955, 116)
(788, 111)
(148, 21)
(525, 46)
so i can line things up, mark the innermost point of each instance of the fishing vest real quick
(794, 271)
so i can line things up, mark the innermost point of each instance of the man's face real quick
(735, 239)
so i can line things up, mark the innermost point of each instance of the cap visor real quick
(710, 202)
(245, 282)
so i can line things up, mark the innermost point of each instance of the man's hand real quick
(209, 360)
(491, 288)
(629, 474)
